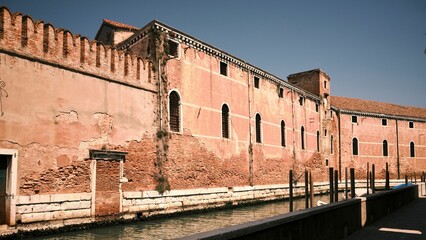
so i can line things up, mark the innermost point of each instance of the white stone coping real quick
(53, 198)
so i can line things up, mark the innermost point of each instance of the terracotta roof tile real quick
(368, 106)
(119, 25)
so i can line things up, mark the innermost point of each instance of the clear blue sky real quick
(371, 49)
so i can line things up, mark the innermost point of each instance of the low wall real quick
(328, 222)
(62, 209)
(332, 221)
(378, 205)
(149, 203)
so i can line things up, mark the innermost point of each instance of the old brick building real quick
(151, 120)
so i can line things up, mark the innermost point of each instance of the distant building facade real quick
(151, 120)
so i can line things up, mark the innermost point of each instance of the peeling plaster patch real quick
(66, 117)
(105, 123)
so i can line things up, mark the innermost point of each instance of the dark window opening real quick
(412, 151)
(355, 147)
(384, 122)
(354, 119)
(256, 81)
(325, 84)
(326, 162)
(281, 93)
(174, 105)
(283, 133)
(223, 69)
(316, 107)
(331, 144)
(173, 48)
(318, 141)
(301, 100)
(411, 124)
(302, 137)
(325, 132)
(258, 128)
(385, 148)
(225, 121)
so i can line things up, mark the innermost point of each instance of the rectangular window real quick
(354, 119)
(411, 124)
(281, 93)
(384, 122)
(173, 48)
(301, 100)
(223, 69)
(316, 107)
(256, 81)
(325, 84)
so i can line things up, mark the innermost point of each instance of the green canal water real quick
(180, 226)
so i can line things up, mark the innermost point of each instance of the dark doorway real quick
(4, 166)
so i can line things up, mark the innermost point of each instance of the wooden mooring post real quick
(312, 189)
(387, 177)
(352, 183)
(406, 180)
(373, 178)
(368, 176)
(336, 186)
(306, 189)
(290, 184)
(330, 174)
(346, 183)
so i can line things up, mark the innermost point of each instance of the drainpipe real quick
(340, 139)
(294, 129)
(159, 94)
(250, 150)
(397, 148)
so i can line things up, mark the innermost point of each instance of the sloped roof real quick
(368, 106)
(119, 25)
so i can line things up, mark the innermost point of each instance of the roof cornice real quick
(211, 50)
(377, 115)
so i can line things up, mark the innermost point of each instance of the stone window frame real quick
(226, 133)
(412, 149)
(410, 124)
(256, 82)
(355, 146)
(385, 148)
(384, 122)
(223, 68)
(282, 125)
(354, 119)
(180, 113)
(258, 125)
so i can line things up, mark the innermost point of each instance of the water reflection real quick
(179, 226)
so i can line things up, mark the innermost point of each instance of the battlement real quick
(21, 35)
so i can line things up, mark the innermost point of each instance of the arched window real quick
(282, 133)
(225, 121)
(354, 146)
(412, 150)
(385, 148)
(258, 128)
(318, 141)
(174, 111)
(302, 137)
(331, 144)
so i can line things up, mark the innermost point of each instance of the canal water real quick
(180, 226)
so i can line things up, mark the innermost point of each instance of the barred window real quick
(355, 146)
(225, 121)
(174, 111)
(412, 150)
(258, 128)
(318, 141)
(385, 148)
(282, 133)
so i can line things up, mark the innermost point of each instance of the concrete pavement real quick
(408, 222)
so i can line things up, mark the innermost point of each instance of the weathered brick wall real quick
(107, 187)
